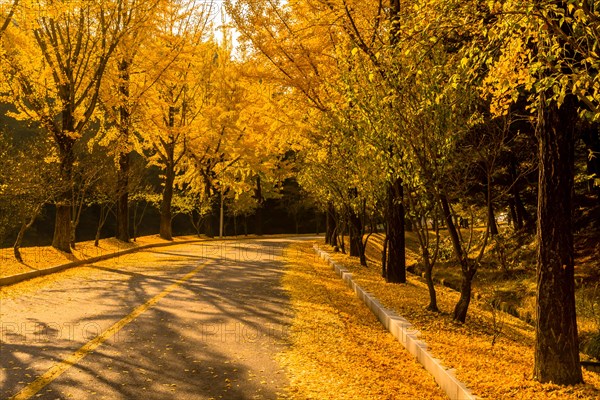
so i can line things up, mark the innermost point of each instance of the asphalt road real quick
(196, 321)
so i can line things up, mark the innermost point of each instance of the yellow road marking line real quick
(57, 369)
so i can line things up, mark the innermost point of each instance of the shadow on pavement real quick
(214, 336)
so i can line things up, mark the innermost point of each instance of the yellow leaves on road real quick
(338, 348)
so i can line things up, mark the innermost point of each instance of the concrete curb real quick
(402, 330)
(11, 280)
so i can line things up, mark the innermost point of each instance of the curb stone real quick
(402, 330)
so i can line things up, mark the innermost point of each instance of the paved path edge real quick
(12, 279)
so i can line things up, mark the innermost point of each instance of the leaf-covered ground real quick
(499, 371)
(514, 289)
(338, 349)
(41, 257)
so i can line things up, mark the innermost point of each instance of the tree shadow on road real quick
(211, 337)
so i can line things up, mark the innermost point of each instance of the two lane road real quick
(195, 321)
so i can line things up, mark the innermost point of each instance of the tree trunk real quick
(258, 217)
(526, 221)
(430, 286)
(98, 231)
(166, 217)
(343, 242)
(384, 257)
(196, 223)
(328, 228)
(62, 228)
(63, 222)
(329, 224)
(138, 221)
(362, 252)
(124, 157)
(491, 215)
(513, 213)
(492, 220)
(18, 241)
(468, 269)
(522, 217)
(77, 204)
(557, 344)
(165, 205)
(518, 211)
(123, 199)
(396, 252)
(461, 308)
(104, 210)
(135, 222)
(455, 239)
(211, 222)
(355, 228)
(334, 225)
(221, 215)
(26, 225)
(97, 238)
(363, 258)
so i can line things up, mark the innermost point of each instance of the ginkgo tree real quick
(543, 53)
(7, 10)
(308, 43)
(131, 72)
(340, 172)
(239, 144)
(54, 58)
(211, 148)
(175, 103)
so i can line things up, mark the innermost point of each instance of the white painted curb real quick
(402, 330)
